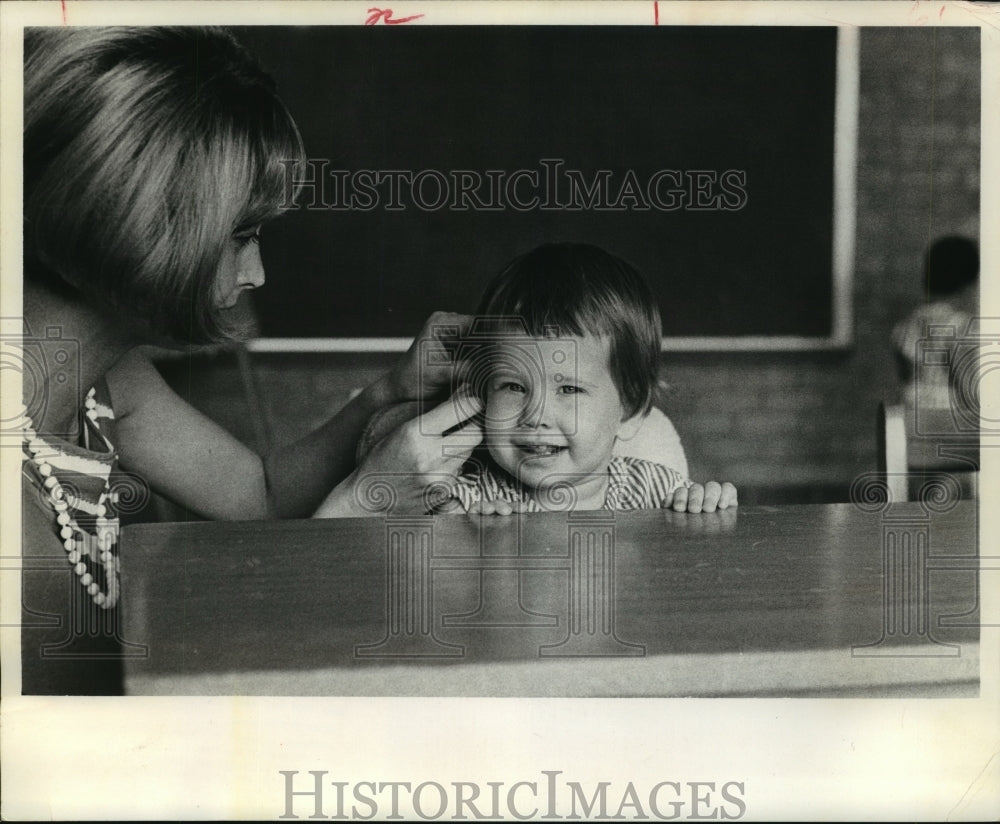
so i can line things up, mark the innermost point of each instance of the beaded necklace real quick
(94, 556)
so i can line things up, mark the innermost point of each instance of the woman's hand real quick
(413, 468)
(429, 366)
(707, 498)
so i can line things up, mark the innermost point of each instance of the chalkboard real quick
(703, 155)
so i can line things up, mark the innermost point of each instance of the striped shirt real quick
(632, 484)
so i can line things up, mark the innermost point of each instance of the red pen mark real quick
(656, 12)
(385, 15)
(941, 13)
(63, 3)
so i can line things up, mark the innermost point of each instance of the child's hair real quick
(565, 289)
(145, 149)
(952, 263)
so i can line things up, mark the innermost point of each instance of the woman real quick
(151, 158)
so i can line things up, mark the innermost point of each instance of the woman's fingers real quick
(457, 446)
(418, 461)
(456, 410)
(429, 364)
(453, 417)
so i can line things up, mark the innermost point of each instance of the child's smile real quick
(536, 451)
(553, 413)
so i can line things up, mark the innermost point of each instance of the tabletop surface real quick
(831, 599)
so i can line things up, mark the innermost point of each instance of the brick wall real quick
(789, 427)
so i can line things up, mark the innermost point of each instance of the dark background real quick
(760, 100)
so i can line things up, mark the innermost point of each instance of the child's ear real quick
(628, 428)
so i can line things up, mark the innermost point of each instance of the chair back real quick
(915, 447)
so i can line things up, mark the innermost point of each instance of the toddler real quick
(566, 364)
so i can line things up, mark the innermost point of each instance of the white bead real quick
(73, 556)
(93, 589)
(107, 557)
(60, 505)
(66, 532)
(70, 544)
(99, 599)
(63, 519)
(36, 445)
(51, 482)
(80, 568)
(86, 579)
(45, 469)
(101, 521)
(102, 510)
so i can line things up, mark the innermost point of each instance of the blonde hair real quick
(145, 149)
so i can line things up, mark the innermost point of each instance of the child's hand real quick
(707, 498)
(496, 508)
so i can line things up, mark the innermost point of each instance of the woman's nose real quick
(251, 269)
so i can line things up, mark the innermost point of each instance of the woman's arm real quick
(178, 451)
(195, 462)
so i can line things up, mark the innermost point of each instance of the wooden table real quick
(765, 601)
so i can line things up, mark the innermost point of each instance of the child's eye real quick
(512, 386)
(569, 389)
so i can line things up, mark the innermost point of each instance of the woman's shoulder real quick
(133, 382)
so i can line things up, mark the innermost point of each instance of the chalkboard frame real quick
(845, 141)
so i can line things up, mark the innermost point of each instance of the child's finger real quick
(696, 496)
(728, 497)
(681, 499)
(713, 494)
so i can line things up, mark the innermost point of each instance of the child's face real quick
(553, 411)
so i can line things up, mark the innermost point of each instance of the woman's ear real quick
(628, 428)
